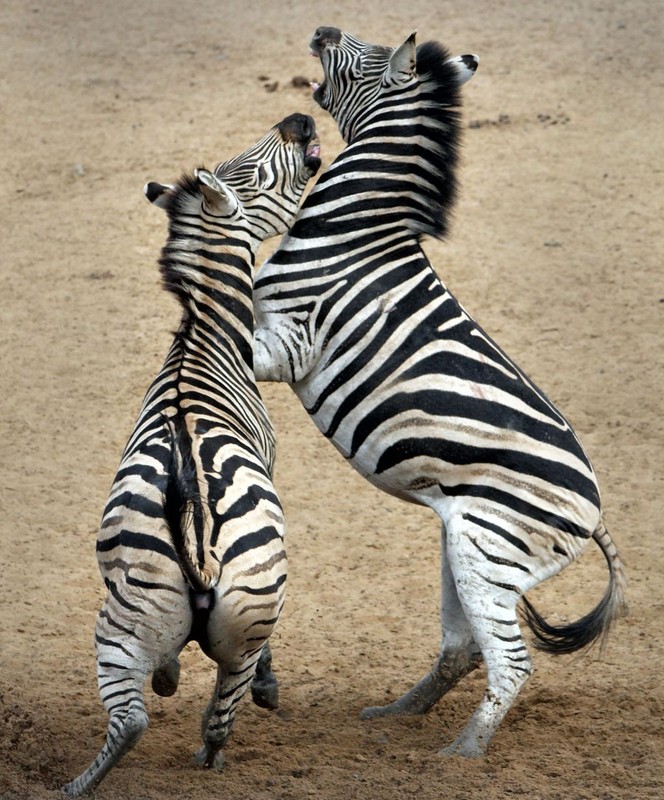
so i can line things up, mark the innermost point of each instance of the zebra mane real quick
(179, 204)
(441, 97)
(185, 189)
(187, 234)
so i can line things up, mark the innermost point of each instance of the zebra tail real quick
(183, 510)
(594, 626)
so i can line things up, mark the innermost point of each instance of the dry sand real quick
(556, 248)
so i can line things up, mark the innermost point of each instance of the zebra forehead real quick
(252, 155)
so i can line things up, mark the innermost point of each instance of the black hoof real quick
(265, 694)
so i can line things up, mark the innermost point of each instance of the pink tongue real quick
(313, 150)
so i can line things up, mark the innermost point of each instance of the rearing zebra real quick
(191, 541)
(411, 390)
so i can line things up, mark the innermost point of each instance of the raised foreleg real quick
(165, 679)
(280, 354)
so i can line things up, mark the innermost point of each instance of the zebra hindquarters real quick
(248, 601)
(143, 624)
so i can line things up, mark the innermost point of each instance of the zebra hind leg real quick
(122, 693)
(219, 714)
(459, 655)
(489, 590)
(508, 669)
(264, 686)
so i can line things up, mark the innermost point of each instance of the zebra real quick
(191, 544)
(411, 390)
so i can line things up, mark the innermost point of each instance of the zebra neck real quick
(214, 286)
(403, 180)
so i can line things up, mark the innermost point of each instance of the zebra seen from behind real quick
(191, 540)
(409, 387)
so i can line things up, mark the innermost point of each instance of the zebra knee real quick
(133, 727)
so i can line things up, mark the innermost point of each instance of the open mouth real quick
(313, 148)
(312, 155)
(318, 89)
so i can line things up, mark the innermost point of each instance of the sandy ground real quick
(556, 248)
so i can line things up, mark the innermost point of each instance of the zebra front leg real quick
(459, 654)
(264, 686)
(121, 690)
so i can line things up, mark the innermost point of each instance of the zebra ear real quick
(219, 196)
(402, 61)
(465, 67)
(158, 193)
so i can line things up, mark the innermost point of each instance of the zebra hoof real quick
(265, 694)
(209, 759)
(466, 748)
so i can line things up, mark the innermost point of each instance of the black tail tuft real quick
(594, 626)
(562, 639)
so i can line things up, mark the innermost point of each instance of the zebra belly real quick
(444, 442)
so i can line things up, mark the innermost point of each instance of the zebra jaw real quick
(313, 84)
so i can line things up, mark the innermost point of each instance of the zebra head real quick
(260, 189)
(360, 78)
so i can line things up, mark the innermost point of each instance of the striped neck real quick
(403, 142)
(208, 264)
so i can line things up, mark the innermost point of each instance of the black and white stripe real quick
(408, 386)
(191, 540)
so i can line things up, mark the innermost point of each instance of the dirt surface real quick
(556, 248)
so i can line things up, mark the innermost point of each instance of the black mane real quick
(440, 84)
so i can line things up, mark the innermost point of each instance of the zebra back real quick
(205, 398)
